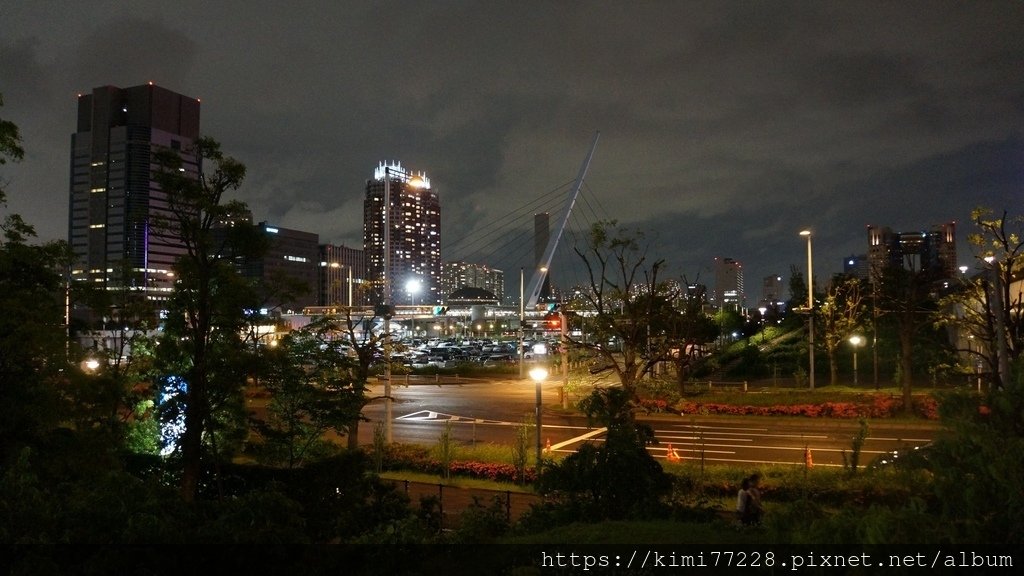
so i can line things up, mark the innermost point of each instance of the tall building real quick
(772, 291)
(342, 272)
(541, 237)
(113, 200)
(857, 265)
(415, 233)
(458, 275)
(932, 251)
(292, 256)
(729, 284)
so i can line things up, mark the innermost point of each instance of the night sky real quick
(726, 127)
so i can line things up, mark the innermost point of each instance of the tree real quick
(309, 377)
(10, 145)
(628, 302)
(202, 337)
(358, 333)
(33, 343)
(689, 328)
(907, 297)
(839, 315)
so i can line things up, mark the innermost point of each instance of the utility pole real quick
(522, 317)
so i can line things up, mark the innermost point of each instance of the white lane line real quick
(881, 439)
(763, 462)
(579, 438)
(809, 436)
(699, 427)
(698, 438)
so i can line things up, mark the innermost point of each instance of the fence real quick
(454, 500)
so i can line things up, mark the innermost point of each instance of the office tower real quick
(541, 237)
(340, 266)
(292, 258)
(458, 275)
(729, 284)
(113, 200)
(772, 291)
(932, 252)
(857, 265)
(415, 234)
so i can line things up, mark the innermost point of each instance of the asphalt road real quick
(488, 412)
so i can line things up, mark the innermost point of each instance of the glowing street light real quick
(810, 306)
(856, 341)
(538, 374)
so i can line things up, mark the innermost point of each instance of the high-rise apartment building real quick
(932, 251)
(729, 284)
(414, 229)
(458, 275)
(113, 200)
(342, 272)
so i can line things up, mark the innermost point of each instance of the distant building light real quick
(272, 230)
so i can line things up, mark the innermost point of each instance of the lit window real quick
(97, 225)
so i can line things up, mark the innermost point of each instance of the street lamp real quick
(762, 310)
(856, 342)
(412, 288)
(538, 374)
(810, 306)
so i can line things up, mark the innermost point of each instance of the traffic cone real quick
(547, 445)
(672, 455)
(808, 460)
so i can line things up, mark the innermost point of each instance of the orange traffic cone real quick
(672, 455)
(808, 460)
(547, 445)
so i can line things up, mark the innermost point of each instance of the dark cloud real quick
(726, 127)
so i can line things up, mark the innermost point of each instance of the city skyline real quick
(726, 129)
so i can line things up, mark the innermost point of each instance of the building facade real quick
(414, 229)
(772, 292)
(292, 257)
(932, 251)
(342, 276)
(857, 265)
(729, 293)
(114, 203)
(458, 275)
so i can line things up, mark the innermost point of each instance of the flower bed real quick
(878, 406)
(405, 457)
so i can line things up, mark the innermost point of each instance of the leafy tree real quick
(10, 145)
(689, 328)
(308, 375)
(974, 308)
(202, 338)
(629, 303)
(907, 297)
(839, 315)
(33, 343)
(617, 479)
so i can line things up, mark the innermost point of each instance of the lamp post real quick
(856, 342)
(538, 375)
(412, 288)
(522, 318)
(810, 307)
(762, 310)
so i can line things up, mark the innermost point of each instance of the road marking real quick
(579, 438)
(807, 436)
(881, 439)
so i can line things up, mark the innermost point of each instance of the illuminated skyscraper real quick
(932, 252)
(113, 199)
(415, 230)
(729, 284)
(458, 275)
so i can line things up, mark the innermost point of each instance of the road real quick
(488, 412)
